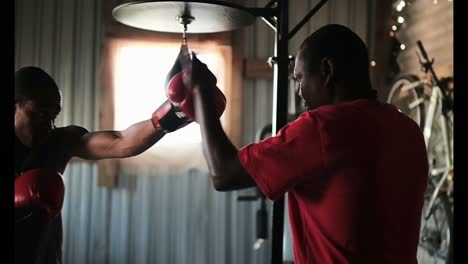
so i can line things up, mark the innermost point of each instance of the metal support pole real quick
(306, 18)
(280, 114)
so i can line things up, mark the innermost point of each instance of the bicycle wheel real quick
(407, 101)
(436, 237)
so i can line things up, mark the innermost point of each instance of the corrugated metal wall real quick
(63, 38)
(179, 219)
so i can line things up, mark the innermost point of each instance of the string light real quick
(399, 11)
(372, 63)
(400, 6)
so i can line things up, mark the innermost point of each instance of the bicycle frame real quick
(435, 108)
(435, 104)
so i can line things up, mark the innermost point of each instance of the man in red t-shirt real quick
(355, 170)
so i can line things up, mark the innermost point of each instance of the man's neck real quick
(351, 92)
(22, 137)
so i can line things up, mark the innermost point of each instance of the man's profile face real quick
(311, 87)
(35, 118)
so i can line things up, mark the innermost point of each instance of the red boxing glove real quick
(43, 188)
(202, 75)
(169, 117)
(175, 88)
(219, 99)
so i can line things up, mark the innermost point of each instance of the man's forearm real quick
(221, 155)
(218, 149)
(120, 144)
(139, 137)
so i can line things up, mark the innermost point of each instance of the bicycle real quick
(412, 96)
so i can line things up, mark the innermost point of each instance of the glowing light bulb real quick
(400, 6)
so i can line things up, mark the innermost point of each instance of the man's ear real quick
(327, 70)
(17, 105)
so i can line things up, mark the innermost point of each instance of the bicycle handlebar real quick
(428, 63)
(428, 66)
(423, 51)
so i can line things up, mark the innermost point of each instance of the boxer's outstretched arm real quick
(112, 144)
(220, 154)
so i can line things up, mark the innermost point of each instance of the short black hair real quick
(340, 44)
(32, 82)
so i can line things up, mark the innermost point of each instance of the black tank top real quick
(38, 239)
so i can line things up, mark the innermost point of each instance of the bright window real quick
(140, 69)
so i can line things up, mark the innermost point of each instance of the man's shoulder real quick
(67, 138)
(350, 111)
(363, 103)
(70, 131)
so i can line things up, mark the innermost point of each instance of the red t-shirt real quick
(355, 174)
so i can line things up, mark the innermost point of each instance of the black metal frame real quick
(276, 15)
